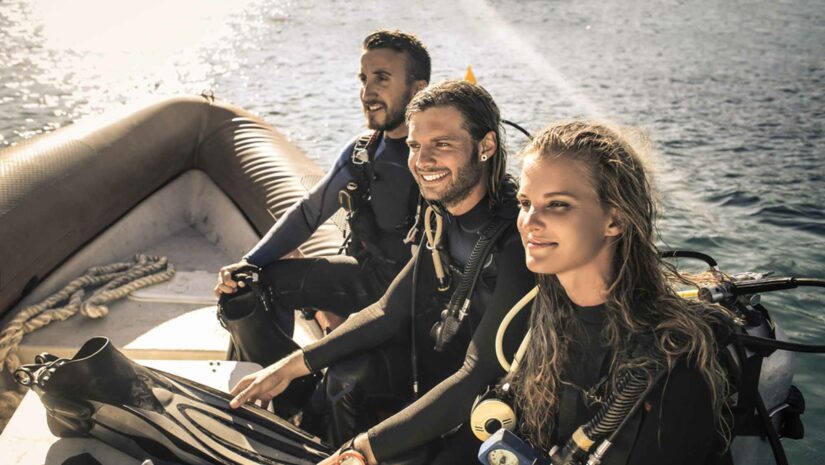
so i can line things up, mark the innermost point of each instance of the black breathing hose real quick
(689, 254)
(624, 400)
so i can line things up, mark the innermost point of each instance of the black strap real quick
(459, 305)
(362, 159)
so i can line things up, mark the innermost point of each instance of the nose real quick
(367, 89)
(423, 157)
(529, 220)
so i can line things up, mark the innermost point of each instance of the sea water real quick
(730, 94)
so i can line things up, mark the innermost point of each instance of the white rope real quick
(104, 284)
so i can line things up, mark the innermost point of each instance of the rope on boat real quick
(105, 283)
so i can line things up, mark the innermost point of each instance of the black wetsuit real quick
(676, 425)
(341, 284)
(450, 387)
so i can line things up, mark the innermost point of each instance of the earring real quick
(484, 158)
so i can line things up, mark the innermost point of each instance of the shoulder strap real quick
(459, 305)
(363, 155)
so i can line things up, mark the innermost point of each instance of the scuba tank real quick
(765, 406)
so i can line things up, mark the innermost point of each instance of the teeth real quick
(433, 177)
(373, 107)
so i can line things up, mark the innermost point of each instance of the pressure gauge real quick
(501, 457)
(505, 448)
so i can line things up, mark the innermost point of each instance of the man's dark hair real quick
(418, 59)
(481, 115)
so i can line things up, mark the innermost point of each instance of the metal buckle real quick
(360, 156)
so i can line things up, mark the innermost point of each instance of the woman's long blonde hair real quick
(640, 301)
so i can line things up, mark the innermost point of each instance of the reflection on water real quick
(730, 93)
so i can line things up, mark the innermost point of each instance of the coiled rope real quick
(103, 284)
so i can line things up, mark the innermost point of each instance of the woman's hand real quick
(267, 383)
(361, 444)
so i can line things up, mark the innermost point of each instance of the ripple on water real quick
(803, 217)
(735, 198)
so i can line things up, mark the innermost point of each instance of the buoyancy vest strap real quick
(459, 305)
(433, 243)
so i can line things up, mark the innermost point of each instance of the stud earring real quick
(484, 158)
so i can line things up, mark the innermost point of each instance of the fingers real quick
(256, 391)
(227, 285)
(243, 396)
(242, 384)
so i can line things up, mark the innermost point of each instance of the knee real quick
(346, 377)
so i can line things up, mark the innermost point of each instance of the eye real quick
(413, 145)
(524, 204)
(558, 205)
(442, 144)
(362, 78)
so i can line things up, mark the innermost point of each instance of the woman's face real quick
(563, 226)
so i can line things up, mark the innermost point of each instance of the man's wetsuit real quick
(676, 426)
(386, 325)
(342, 284)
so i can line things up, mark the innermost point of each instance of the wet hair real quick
(418, 58)
(481, 116)
(642, 309)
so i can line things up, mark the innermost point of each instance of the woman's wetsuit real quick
(676, 425)
(452, 387)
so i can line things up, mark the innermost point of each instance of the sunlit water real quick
(731, 94)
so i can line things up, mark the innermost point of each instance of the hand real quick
(267, 383)
(227, 285)
(361, 444)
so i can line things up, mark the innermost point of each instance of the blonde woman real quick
(604, 305)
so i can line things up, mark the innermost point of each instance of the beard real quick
(467, 179)
(395, 114)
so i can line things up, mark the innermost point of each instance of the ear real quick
(487, 146)
(614, 226)
(418, 86)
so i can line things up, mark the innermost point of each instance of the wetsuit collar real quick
(475, 218)
(594, 315)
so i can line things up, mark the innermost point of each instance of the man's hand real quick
(361, 444)
(227, 285)
(267, 383)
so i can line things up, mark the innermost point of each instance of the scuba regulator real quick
(458, 307)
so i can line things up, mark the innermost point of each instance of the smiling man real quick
(428, 321)
(371, 178)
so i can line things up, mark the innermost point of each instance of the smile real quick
(535, 244)
(371, 107)
(434, 176)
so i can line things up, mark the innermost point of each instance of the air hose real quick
(624, 400)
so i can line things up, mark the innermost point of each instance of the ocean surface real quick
(730, 94)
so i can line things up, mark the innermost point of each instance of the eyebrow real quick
(551, 194)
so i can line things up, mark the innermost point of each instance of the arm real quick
(305, 216)
(369, 327)
(448, 404)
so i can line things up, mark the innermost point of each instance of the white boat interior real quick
(198, 228)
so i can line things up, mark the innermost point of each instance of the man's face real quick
(443, 156)
(385, 92)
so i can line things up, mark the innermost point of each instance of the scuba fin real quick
(154, 415)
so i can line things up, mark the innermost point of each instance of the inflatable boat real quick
(191, 179)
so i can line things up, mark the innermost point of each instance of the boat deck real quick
(198, 229)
